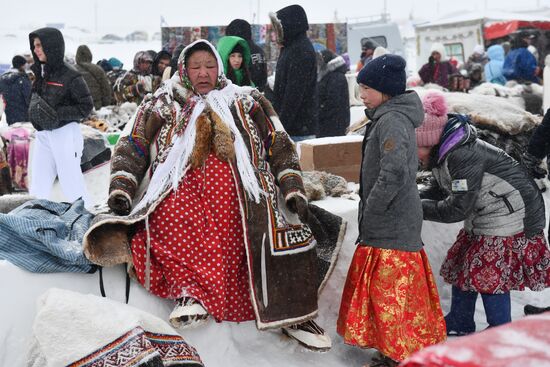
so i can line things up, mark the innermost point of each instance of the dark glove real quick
(431, 60)
(532, 164)
(41, 114)
(119, 204)
(298, 205)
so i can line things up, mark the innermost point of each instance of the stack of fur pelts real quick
(319, 185)
(499, 121)
(97, 123)
(117, 116)
(527, 96)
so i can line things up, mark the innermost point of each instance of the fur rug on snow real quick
(319, 185)
(490, 112)
(85, 330)
(527, 96)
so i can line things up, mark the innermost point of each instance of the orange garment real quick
(390, 303)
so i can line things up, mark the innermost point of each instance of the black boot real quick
(534, 310)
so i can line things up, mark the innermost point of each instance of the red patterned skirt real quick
(390, 303)
(494, 265)
(197, 245)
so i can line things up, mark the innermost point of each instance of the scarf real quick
(170, 172)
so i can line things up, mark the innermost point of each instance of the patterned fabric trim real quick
(285, 238)
(172, 348)
(123, 175)
(138, 348)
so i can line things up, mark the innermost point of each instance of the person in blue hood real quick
(493, 69)
(520, 64)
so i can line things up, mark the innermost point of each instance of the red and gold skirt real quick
(390, 303)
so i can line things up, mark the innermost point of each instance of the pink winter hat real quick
(435, 118)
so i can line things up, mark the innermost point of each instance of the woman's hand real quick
(298, 205)
(119, 204)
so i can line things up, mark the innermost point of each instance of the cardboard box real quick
(337, 155)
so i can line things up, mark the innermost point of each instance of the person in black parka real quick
(258, 68)
(15, 86)
(334, 114)
(295, 89)
(60, 100)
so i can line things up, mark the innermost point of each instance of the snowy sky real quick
(128, 15)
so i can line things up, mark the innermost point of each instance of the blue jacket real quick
(520, 64)
(43, 236)
(493, 69)
(15, 86)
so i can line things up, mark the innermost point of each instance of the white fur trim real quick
(264, 275)
(288, 171)
(287, 322)
(277, 123)
(316, 341)
(126, 175)
(121, 192)
(294, 194)
(339, 242)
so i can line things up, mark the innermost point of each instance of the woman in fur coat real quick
(213, 206)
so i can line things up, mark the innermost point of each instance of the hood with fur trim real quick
(440, 48)
(336, 63)
(289, 22)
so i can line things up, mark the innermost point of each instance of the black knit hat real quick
(386, 74)
(18, 61)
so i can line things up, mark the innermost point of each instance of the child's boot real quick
(460, 321)
(497, 308)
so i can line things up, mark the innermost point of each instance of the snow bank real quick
(225, 344)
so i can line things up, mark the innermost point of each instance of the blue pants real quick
(460, 320)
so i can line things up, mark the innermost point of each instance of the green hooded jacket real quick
(225, 48)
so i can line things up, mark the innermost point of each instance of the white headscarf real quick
(219, 101)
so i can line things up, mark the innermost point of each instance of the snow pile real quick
(225, 344)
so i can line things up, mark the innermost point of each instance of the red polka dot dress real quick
(197, 246)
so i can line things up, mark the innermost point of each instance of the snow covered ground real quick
(225, 344)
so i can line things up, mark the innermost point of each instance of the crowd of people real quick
(515, 60)
(197, 181)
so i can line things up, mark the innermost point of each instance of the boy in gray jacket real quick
(390, 301)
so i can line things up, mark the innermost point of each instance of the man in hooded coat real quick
(295, 89)
(60, 100)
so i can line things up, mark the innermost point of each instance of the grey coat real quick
(483, 186)
(390, 212)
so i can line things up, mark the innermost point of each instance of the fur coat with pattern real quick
(287, 264)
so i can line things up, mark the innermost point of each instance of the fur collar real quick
(329, 67)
